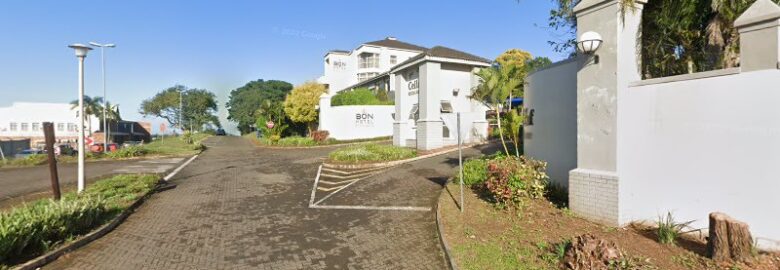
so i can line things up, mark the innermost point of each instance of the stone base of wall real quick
(594, 195)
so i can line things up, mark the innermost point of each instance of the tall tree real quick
(92, 107)
(199, 107)
(246, 100)
(496, 84)
(301, 104)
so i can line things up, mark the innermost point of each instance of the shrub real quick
(32, 229)
(30, 160)
(474, 171)
(274, 138)
(360, 96)
(371, 153)
(512, 179)
(669, 230)
(320, 136)
(128, 152)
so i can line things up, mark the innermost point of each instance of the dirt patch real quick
(535, 237)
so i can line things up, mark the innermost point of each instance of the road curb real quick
(86, 239)
(161, 185)
(440, 229)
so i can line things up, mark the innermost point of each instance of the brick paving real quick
(241, 207)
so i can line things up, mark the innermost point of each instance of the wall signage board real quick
(364, 119)
(413, 84)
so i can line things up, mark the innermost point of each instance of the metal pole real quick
(48, 133)
(81, 126)
(460, 163)
(105, 127)
(181, 124)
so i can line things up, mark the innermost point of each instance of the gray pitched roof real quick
(394, 43)
(444, 52)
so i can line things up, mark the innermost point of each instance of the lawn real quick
(34, 228)
(299, 141)
(170, 146)
(371, 152)
(535, 235)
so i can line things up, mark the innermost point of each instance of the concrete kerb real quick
(440, 229)
(44, 259)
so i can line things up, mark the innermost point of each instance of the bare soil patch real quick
(486, 237)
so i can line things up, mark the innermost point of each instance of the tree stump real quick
(729, 239)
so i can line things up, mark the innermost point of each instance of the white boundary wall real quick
(551, 94)
(356, 122)
(699, 145)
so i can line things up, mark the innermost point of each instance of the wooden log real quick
(729, 239)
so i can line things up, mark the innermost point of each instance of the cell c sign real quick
(413, 84)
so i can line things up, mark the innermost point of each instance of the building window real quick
(393, 59)
(36, 126)
(445, 132)
(13, 126)
(368, 60)
(60, 126)
(25, 126)
(446, 106)
(71, 127)
(415, 113)
(366, 76)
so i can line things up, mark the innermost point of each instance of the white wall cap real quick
(760, 11)
(588, 4)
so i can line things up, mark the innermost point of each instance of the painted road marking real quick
(174, 172)
(366, 207)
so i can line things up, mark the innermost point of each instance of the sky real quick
(222, 45)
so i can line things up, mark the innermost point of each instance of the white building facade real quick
(24, 120)
(430, 87)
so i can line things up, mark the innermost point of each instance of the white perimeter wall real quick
(359, 122)
(698, 146)
(552, 94)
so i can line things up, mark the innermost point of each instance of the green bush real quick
(360, 96)
(32, 229)
(474, 171)
(127, 152)
(371, 153)
(511, 179)
(30, 160)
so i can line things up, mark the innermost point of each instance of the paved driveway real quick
(16, 184)
(241, 207)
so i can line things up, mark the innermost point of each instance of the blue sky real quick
(221, 45)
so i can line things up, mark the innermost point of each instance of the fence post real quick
(48, 132)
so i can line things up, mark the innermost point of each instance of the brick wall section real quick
(594, 195)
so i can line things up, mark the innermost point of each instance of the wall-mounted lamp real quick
(588, 43)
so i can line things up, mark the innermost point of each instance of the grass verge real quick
(170, 146)
(371, 153)
(298, 141)
(34, 228)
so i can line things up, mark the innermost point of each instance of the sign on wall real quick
(364, 119)
(413, 83)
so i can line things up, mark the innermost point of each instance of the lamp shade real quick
(589, 42)
(81, 49)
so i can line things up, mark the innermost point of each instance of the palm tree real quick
(494, 89)
(92, 106)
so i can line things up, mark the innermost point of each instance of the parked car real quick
(98, 147)
(64, 149)
(221, 132)
(28, 152)
(132, 143)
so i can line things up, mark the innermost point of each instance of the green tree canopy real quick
(246, 100)
(199, 107)
(301, 105)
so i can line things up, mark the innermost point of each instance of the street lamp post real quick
(107, 129)
(81, 53)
